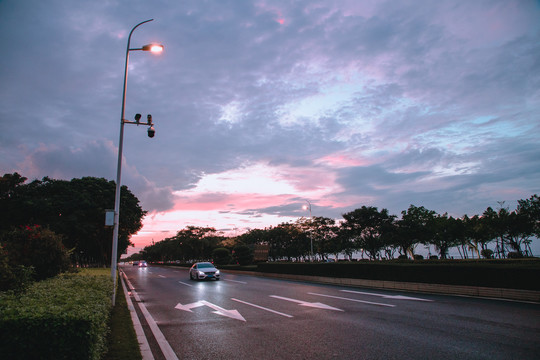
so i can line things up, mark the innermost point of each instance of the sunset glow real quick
(261, 106)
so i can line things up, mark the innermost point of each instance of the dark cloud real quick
(433, 103)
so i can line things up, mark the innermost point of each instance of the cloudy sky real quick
(261, 106)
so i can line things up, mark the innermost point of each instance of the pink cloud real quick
(228, 202)
(342, 160)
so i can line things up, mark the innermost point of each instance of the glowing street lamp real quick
(155, 48)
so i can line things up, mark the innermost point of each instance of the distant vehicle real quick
(143, 264)
(203, 270)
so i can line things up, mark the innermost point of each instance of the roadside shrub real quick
(37, 247)
(418, 257)
(221, 256)
(514, 255)
(487, 253)
(17, 278)
(65, 317)
(510, 274)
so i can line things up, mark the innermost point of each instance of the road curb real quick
(141, 337)
(474, 291)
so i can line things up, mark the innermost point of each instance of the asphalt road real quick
(249, 317)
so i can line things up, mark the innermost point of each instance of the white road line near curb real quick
(141, 338)
(164, 345)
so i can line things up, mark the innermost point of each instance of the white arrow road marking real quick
(263, 308)
(234, 314)
(396, 297)
(317, 305)
(355, 300)
(188, 307)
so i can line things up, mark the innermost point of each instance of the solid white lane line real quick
(355, 300)
(165, 347)
(236, 281)
(263, 308)
(146, 352)
(160, 338)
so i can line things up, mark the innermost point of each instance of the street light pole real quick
(310, 233)
(114, 254)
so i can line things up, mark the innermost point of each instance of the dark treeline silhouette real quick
(372, 233)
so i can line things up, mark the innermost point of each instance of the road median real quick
(461, 290)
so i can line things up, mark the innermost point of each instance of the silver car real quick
(203, 270)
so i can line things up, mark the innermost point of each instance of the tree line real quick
(373, 233)
(40, 218)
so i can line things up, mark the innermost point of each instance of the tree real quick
(287, 241)
(243, 254)
(492, 220)
(512, 229)
(529, 210)
(415, 227)
(74, 209)
(478, 232)
(448, 232)
(190, 244)
(369, 229)
(221, 256)
(9, 184)
(36, 247)
(518, 230)
(322, 232)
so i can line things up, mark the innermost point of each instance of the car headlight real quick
(201, 273)
(217, 272)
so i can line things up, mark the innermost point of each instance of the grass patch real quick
(123, 344)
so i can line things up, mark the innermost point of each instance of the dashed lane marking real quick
(262, 308)
(355, 300)
(236, 281)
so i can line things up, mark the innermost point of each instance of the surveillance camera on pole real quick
(151, 130)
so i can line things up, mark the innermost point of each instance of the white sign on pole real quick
(109, 217)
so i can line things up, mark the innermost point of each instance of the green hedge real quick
(510, 274)
(65, 317)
